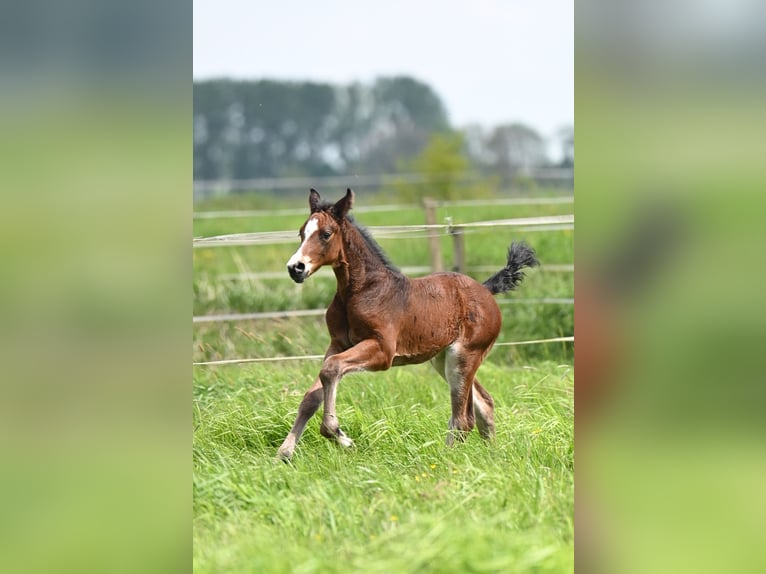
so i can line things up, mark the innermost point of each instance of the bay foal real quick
(380, 318)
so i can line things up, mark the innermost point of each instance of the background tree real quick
(565, 136)
(405, 113)
(444, 165)
(265, 128)
(476, 144)
(515, 149)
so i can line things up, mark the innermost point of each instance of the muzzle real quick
(297, 272)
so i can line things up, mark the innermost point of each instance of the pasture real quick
(400, 501)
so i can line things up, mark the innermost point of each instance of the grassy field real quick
(399, 501)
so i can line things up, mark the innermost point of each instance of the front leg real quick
(309, 405)
(369, 355)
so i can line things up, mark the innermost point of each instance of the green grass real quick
(400, 501)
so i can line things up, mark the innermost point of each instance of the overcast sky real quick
(491, 61)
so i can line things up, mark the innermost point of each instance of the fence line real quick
(258, 360)
(260, 315)
(223, 317)
(538, 301)
(569, 339)
(231, 214)
(315, 357)
(544, 223)
(516, 222)
(203, 188)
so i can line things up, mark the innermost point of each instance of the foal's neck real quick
(360, 266)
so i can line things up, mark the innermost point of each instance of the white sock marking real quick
(451, 367)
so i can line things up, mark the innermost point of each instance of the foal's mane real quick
(368, 239)
(373, 245)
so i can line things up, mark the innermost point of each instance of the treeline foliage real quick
(444, 166)
(267, 128)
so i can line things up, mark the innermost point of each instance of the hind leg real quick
(482, 403)
(460, 366)
(443, 365)
(438, 364)
(484, 407)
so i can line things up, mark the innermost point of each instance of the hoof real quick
(455, 436)
(344, 441)
(287, 448)
(284, 455)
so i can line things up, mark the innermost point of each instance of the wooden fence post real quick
(433, 236)
(458, 243)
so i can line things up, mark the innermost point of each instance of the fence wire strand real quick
(546, 223)
(315, 357)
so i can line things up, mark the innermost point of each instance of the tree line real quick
(269, 128)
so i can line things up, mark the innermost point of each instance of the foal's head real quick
(321, 242)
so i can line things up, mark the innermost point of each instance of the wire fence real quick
(292, 313)
(408, 270)
(545, 223)
(223, 362)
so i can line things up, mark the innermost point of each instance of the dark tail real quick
(520, 255)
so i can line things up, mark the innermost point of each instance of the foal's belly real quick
(414, 359)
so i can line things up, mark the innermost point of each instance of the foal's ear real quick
(314, 200)
(341, 208)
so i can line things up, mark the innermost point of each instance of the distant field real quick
(400, 501)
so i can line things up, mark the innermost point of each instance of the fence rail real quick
(231, 214)
(545, 223)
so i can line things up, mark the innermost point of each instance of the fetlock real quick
(328, 430)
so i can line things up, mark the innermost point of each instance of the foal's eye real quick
(325, 234)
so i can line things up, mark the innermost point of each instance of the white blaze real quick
(311, 228)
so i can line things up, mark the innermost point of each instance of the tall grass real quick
(400, 501)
